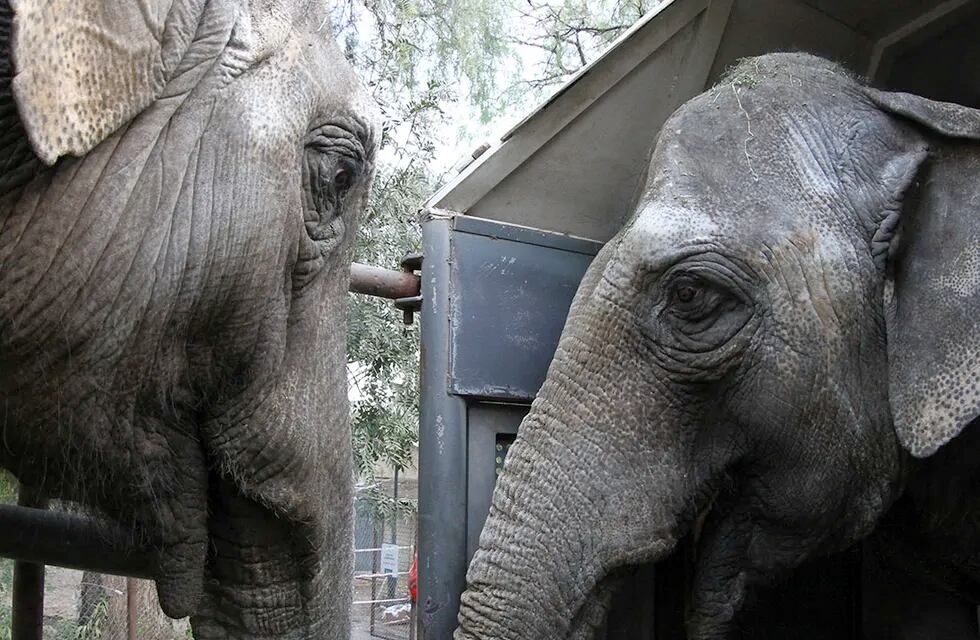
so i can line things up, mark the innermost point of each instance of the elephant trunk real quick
(280, 495)
(270, 577)
(565, 520)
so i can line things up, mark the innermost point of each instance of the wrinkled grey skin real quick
(764, 358)
(172, 302)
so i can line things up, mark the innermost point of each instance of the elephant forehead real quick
(660, 231)
(262, 29)
(304, 86)
(737, 167)
(661, 234)
(766, 196)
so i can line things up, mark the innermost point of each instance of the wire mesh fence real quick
(384, 550)
(82, 605)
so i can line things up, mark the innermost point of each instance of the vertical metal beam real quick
(27, 605)
(442, 448)
(131, 586)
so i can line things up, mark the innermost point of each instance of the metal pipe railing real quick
(404, 287)
(67, 540)
(383, 283)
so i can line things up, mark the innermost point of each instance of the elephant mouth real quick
(214, 540)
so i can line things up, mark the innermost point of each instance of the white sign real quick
(389, 558)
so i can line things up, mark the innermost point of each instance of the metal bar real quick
(884, 50)
(131, 608)
(27, 604)
(392, 600)
(367, 576)
(383, 283)
(76, 542)
(400, 547)
(392, 580)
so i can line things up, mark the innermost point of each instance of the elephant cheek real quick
(280, 490)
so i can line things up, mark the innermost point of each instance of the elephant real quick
(777, 354)
(181, 186)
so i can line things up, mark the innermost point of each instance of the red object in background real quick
(413, 579)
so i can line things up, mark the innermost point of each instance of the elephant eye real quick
(692, 299)
(330, 176)
(342, 180)
(700, 304)
(686, 293)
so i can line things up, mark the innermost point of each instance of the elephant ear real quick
(84, 68)
(933, 310)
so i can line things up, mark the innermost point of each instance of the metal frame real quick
(27, 601)
(477, 384)
(35, 535)
(383, 283)
(888, 48)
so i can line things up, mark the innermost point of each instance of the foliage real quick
(8, 487)
(440, 70)
(412, 55)
(91, 630)
(8, 494)
(412, 50)
(6, 582)
(374, 499)
(569, 34)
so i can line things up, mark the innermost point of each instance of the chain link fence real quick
(90, 606)
(384, 550)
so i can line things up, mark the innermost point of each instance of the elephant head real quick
(180, 187)
(786, 322)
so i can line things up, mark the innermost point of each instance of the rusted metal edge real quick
(76, 542)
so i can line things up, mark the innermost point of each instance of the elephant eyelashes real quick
(333, 163)
(329, 173)
(330, 179)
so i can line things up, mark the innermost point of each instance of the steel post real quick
(442, 450)
(27, 603)
(131, 586)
